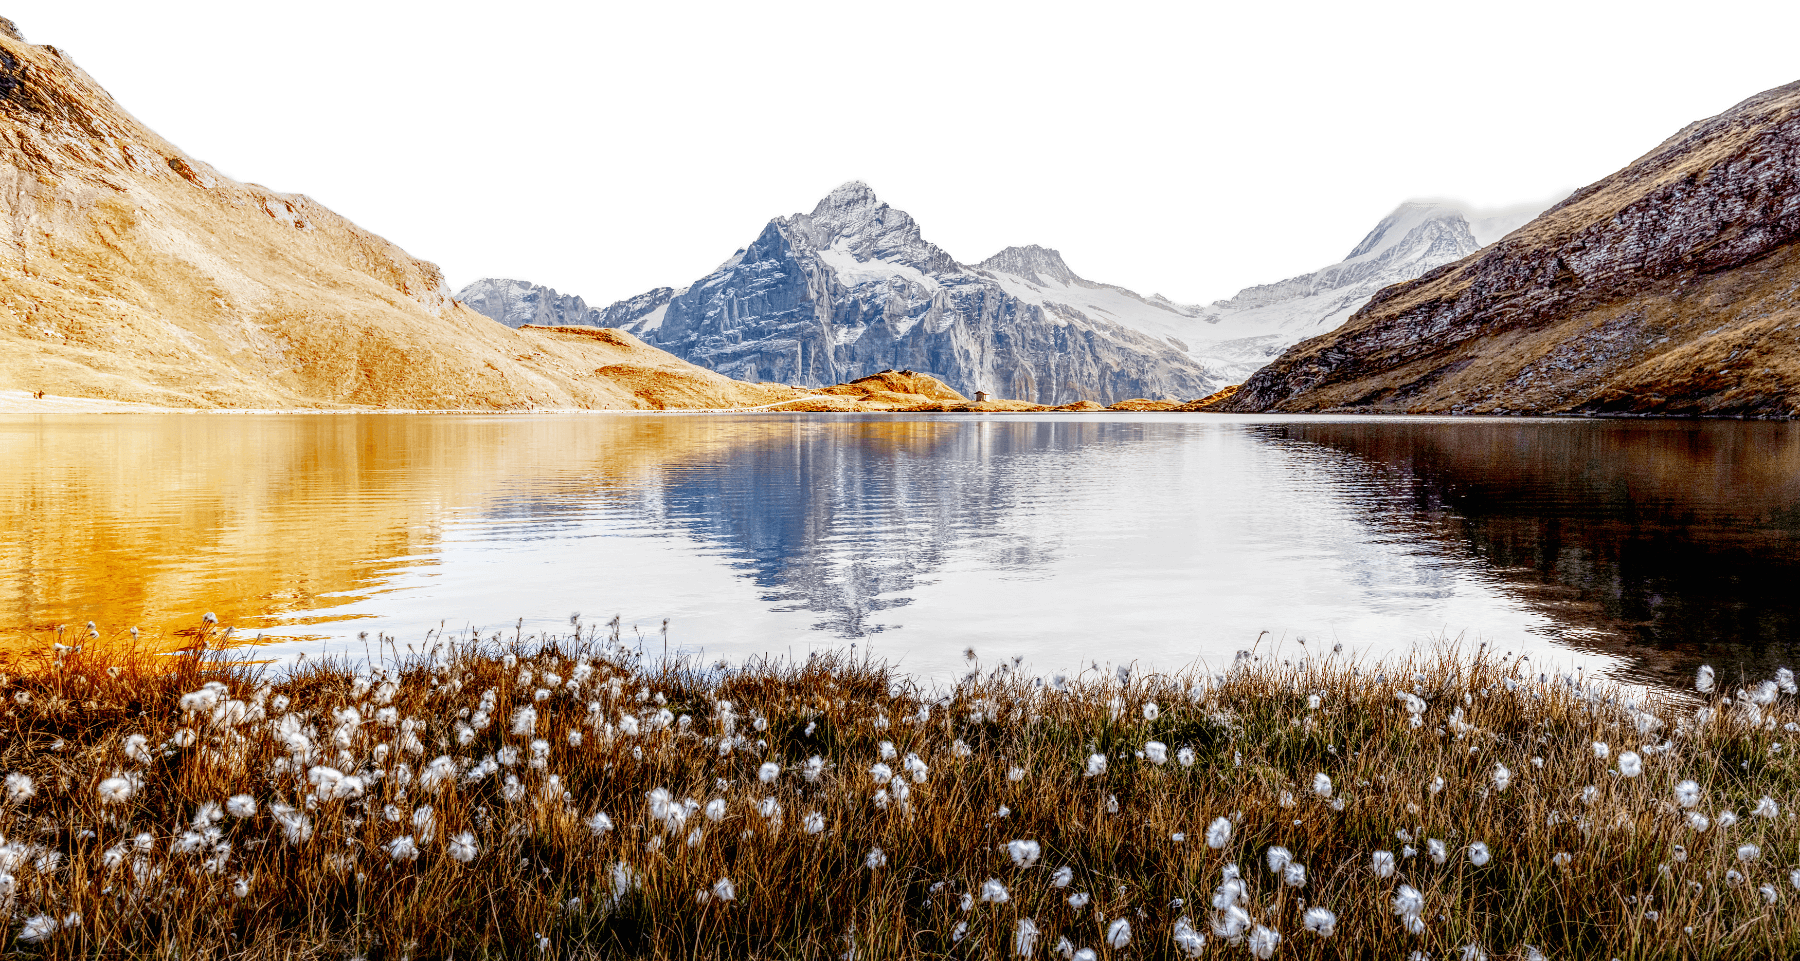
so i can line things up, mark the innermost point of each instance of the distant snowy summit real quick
(1254, 326)
(853, 288)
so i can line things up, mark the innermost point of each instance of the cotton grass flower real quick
(1218, 833)
(1766, 808)
(402, 848)
(1278, 858)
(1502, 777)
(724, 890)
(1698, 821)
(1703, 681)
(1294, 875)
(813, 823)
(1382, 863)
(1096, 765)
(1231, 923)
(876, 858)
(1408, 902)
(599, 824)
(137, 749)
(1118, 934)
(38, 928)
(1151, 711)
(1601, 751)
(1479, 854)
(1189, 943)
(1320, 921)
(1321, 784)
(115, 790)
(462, 847)
(1748, 852)
(1156, 752)
(1024, 853)
(992, 891)
(1687, 794)
(1063, 876)
(19, 788)
(1025, 936)
(1436, 849)
(768, 772)
(1630, 765)
(1263, 942)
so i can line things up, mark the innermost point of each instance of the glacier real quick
(853, 288)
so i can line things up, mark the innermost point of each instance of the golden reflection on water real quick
(1170, 537)
(154, 520)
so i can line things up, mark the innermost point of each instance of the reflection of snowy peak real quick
(853, 288)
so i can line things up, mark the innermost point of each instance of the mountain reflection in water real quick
(1674, 541)
(1641, 546)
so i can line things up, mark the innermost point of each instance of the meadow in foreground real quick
(557, 796)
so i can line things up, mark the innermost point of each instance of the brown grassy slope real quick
(1670, 287)
(130, 271)
(899, 382)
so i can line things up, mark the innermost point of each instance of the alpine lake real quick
(1632, 548)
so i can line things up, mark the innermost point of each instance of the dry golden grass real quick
(115, 850)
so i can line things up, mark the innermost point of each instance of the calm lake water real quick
(1636, 548)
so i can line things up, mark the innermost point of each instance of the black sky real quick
(603, 159)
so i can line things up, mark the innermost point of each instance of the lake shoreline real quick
(22, 402)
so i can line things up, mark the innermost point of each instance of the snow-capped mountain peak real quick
(854, 287)
(1485, 225)
(1040, 265)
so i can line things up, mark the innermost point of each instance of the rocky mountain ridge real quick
(854, 286)
(1670, 287)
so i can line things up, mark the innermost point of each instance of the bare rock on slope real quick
(1671, 287)
(130, 271)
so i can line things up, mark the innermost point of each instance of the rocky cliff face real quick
(1670, 287)
(853, 287)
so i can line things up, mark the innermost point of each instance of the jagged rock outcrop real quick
(1670, 287)
(853, 287)
(518, 303)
